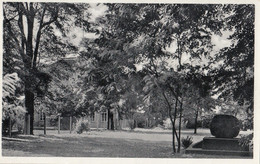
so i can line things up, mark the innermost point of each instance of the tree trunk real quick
(179, 140)
(58, 124)
(174, 133)
(173, 139)
(10, 127)
(174, 119)
(196, 122)
(44, 119)
(27, 124)
(29, 104)
(29, 95)
(110, 121)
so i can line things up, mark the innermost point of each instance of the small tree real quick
(12, 101)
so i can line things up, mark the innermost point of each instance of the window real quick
(92, 117)
(41, 115)
(103, 116)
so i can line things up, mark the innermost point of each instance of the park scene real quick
(128, 80)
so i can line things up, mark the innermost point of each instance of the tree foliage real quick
(235, 75)
(12, 101)
(32, 29)
(141, 34)
(12, 97)
(153, 57)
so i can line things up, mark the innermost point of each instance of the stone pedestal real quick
(212, 143)
(218, 146)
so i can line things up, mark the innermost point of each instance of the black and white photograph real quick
(128, 80)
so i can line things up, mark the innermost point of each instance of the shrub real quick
(131, 124)
(191, 123)
(16, 123)
(139, 119)
(246, 124)
(81, 126)
(246, 141)
(186, 142)
(53, 120)
(205, 122)
(168, 125)
(12, 102)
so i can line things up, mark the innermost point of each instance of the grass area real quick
(97, 144)
(85, 146)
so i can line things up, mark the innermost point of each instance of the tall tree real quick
(234, 76)
(33, 29)
(141, 33)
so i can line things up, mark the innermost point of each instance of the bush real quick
(53, 120)
(81, 126)
(12, 102)
(246, 141)
(191, 124)
(139, 119)
(186, 142)
(168, 125)
(131, 124)
(205, 122)
(246, 124)
(16, 124)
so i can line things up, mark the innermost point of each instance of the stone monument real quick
(225, 129)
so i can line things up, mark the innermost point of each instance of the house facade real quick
(97, 120)
(107, 120)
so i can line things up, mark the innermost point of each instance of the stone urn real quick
(224, 126)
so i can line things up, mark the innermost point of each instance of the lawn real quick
(143, 144)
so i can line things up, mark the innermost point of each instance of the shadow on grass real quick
(85, 146)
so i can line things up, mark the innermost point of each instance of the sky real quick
(96, 11)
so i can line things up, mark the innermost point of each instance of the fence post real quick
(70, 124)
(10, 127)
(44, 119)
(107, 123)
(58, 124)
(98, 119)
(25, 123)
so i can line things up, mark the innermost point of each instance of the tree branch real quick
(27, 6)
(21, 27)
(22, 8)
(10, 19)
(38, 37)
(9, 28)
(175, 94)
(169, 109)
(54, 18)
